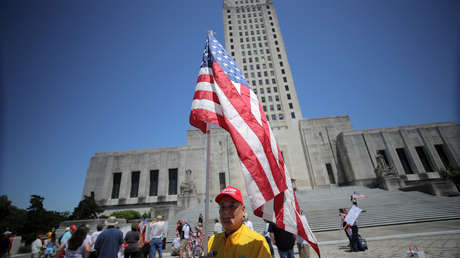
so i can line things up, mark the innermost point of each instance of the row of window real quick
(274, 117)
(422, 155)
(153, 187)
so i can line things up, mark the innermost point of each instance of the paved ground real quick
(436, 239)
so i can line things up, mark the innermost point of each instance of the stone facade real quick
(335, 155)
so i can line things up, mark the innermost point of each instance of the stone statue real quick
(188, 188)
(383, 169)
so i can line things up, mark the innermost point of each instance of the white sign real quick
(352, 215)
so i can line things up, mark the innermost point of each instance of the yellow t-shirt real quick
(242, 243)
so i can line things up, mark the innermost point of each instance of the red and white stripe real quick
(235, 108)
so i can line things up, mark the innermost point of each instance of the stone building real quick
(318, 152)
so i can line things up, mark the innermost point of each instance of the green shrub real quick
(127, 214)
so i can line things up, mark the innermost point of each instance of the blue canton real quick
(218, 53)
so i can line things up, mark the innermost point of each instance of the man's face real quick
(231, 214)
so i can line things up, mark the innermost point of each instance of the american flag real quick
(223, 97)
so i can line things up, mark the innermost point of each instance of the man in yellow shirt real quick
(237, 240)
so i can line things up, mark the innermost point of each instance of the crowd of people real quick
(233, 235)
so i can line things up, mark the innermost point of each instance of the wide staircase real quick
(321, 207)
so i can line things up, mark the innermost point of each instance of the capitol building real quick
(320, 152)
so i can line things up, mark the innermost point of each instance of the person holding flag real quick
(224, 98)
(237, 240)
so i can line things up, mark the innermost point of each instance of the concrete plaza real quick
(436, 239)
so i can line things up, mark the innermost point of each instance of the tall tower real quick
(253, 38)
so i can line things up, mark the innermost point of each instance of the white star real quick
(219, 58)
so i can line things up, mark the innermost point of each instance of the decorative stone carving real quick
(188, 187)
(387, 177)
(383, 169)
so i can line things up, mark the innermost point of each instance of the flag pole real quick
(206, 199)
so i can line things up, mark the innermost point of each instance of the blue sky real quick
(80, 77)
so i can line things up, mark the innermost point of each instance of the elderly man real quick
(237, 240)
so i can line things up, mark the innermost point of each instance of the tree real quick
(36, 203)
(87, 209)
(38, 220)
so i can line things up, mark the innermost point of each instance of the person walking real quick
(132, 242)
(76, 246)
(184, 230)
(52, 244)
(154, 235)
(247, 222)
(36, 247)
(283, 240)
(267, 237)
(110, 240)
(94, 235)
(217, 226)
(4, 245)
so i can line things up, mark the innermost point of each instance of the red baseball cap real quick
(232, 192)
(73, 227)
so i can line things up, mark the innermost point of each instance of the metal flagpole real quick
(206, 199)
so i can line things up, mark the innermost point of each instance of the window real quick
(268, 90)
(278, 107)
(277, 98)
(440, 150)
(286, 87)
(270, 99)
(281, 64)
(222, 180)
(265, 108)
(424, 159)
(292, 115)
(116, 185)
(288, 96)
(284, 79)
(404, 161)
(275, 89)
(134, 184)
(273, 117)
(255, 91)
(261, 90)
(153, 183)
(273, 81)
(172, 189)
(330, 173)
(281, 117)
(263, 99)
(268, 119)
(272, 108)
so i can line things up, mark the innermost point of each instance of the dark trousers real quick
(355, 241)
(269, 241)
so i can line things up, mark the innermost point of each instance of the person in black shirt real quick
(283, 240)
(132, 239)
